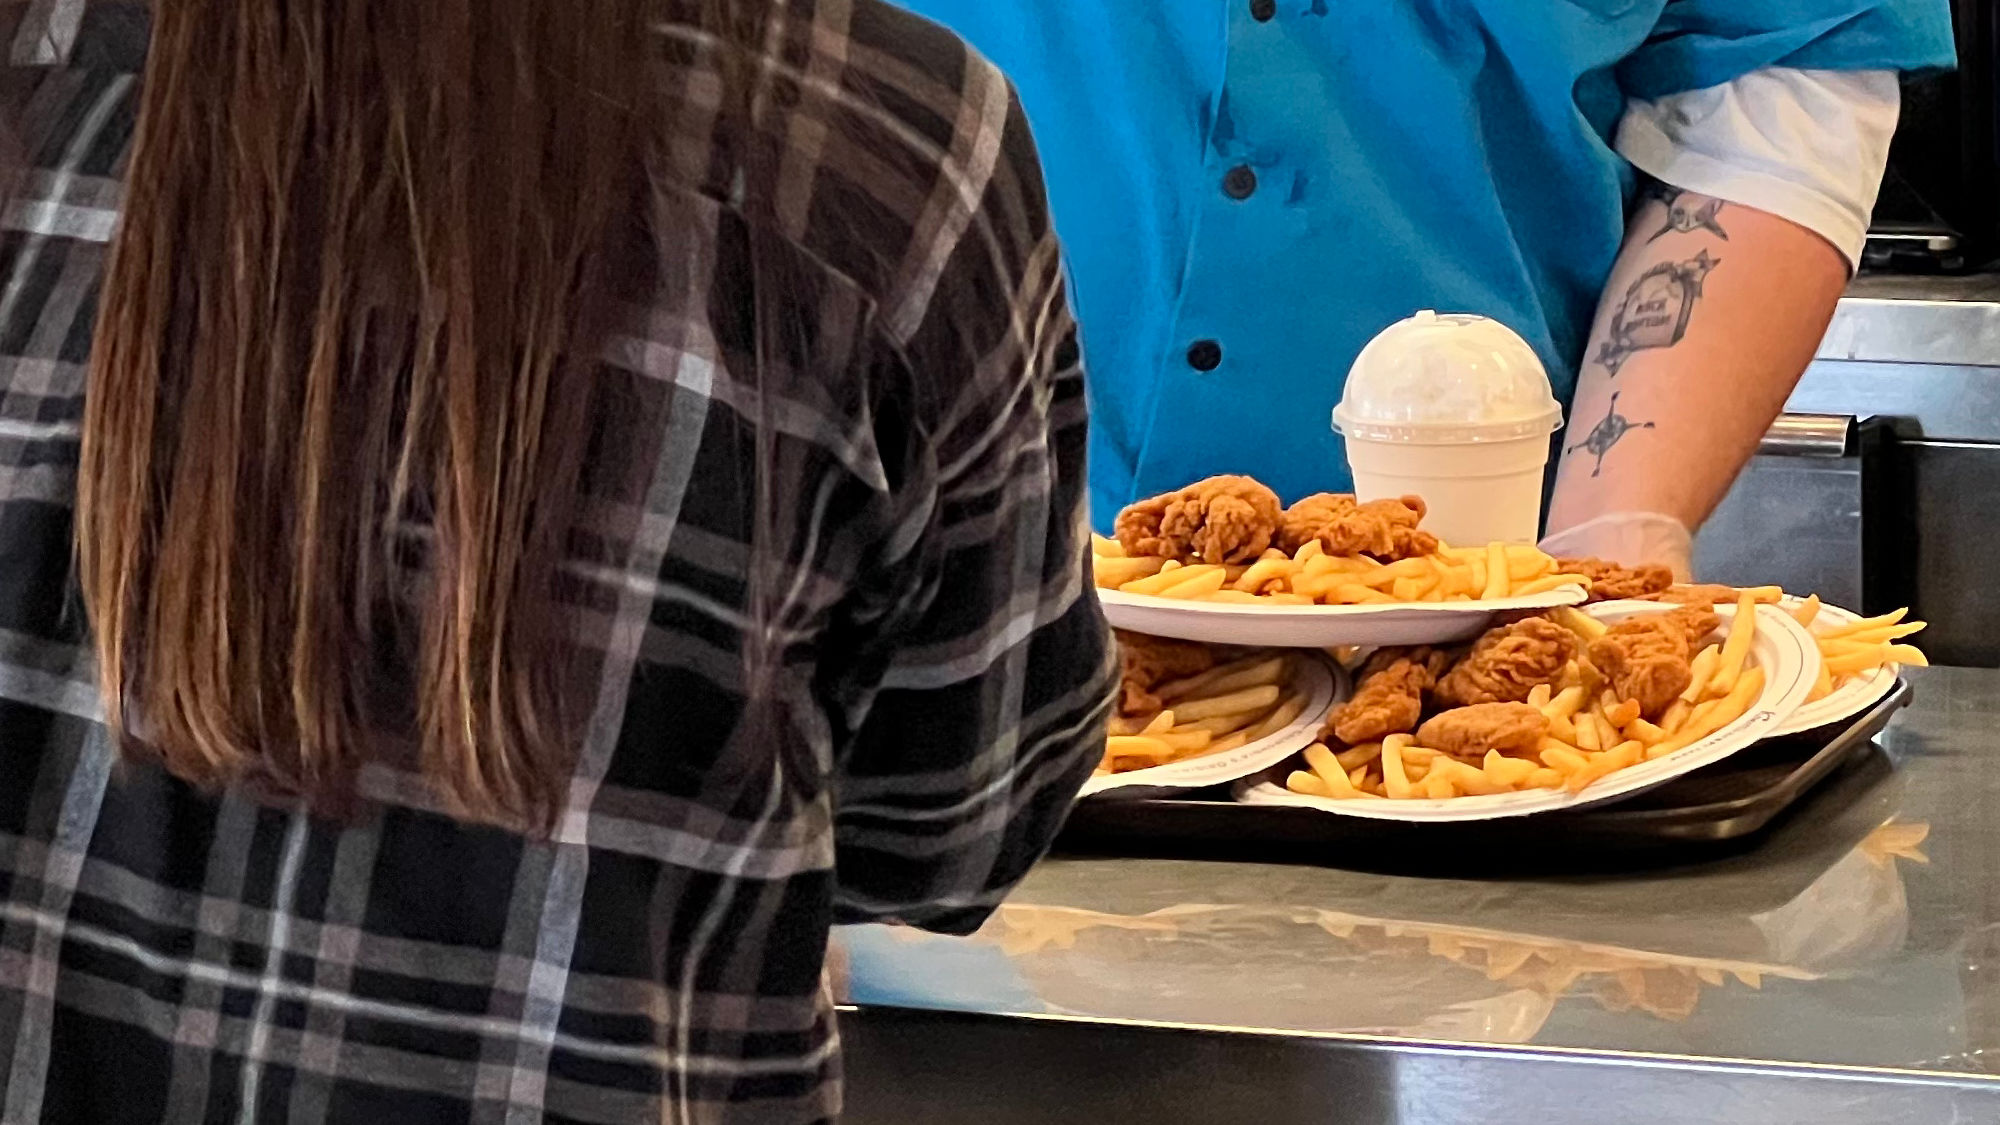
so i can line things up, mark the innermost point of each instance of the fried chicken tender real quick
(1507, 662)
(1384, 529)
(1611, 582)
(1647, 658)
(1148, 662)
(1218, 520)
(1469, 732)
(1388, 695)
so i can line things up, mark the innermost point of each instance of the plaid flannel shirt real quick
(169, 955)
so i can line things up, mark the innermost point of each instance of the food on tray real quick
(1708, 593)
(1650, 659)
(1388, 694)
(1184, 700)
(1385, 530)
(1148, 662)
(1548, 702)
(1507, 662)
(1847, 651)
(1857, 648)
(1511, 728)
(1226, 539)
(1611, 582)
(1218, 520)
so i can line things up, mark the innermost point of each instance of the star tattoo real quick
(1606, 434)
(1655, 311)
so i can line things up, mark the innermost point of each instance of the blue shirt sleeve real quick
(1702, 43)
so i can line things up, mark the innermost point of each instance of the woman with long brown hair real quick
(515, 517)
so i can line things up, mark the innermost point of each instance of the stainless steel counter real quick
(1942, 320)
(1846, 968)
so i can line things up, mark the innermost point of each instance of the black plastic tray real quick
(1730, 801)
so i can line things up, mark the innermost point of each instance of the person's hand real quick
(1629, 538)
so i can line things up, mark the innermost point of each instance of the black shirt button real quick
(1240, 182)
(1204, 355)
(1263, 10)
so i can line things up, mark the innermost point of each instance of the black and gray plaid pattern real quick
(167, 955)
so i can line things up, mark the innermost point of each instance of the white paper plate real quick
(1858, 694)
(1783, 649)
(1317, 626)
(1324, 684)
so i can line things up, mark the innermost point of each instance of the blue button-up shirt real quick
(1250, 189)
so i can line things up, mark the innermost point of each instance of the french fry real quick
(1233, 742)
(1394, 780)
(1611, 761)
(1221, 726)
(1724, 711)
(1309, 785)
(1742, 633)
(1538, 697)
(1822, 684)
(1467, 779)
(1359, 757)
(1550, 582)
(1137, 746)
(1439, 787)
(1578, 622)
(1187, 742)
(1543, 778)
(1170, 574)
(1282, 716)
(1645, 732)
(1327, 769)
(1563, 759)
(1203, 683)
(1507, 772)
(1675, 716)
(1852, 663)
(1702, 668)
(1586, 733)
(1160, 724)
(1353, 594)
(1866, 623)
(1196, 586)
(1496, 572)
(1565, 703)
(1249, 699)
(1907, 654)
(1106, 548)
(1263, 571)
(1308, 551)
(1268, 670)
(1806, 611)
(1116, 572)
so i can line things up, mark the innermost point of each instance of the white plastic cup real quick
(1456, 409)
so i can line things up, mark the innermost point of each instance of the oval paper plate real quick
(1783, 649)
(1321, 680)
(1848, 699)
(1317, 626)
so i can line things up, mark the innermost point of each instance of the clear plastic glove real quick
(1631, 538)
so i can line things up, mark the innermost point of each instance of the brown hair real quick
(359, 287)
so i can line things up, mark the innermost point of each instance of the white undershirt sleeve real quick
(1805, 145)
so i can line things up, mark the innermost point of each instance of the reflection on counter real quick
(1317, 969)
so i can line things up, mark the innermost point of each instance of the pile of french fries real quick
(1226, 707)
(1312, 577)
(1592, 734)
(1857, 648)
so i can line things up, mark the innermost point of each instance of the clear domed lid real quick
(1447, 378)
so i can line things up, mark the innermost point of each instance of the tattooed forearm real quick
(1686, 211)
(1655, 311)
(1606, 434)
